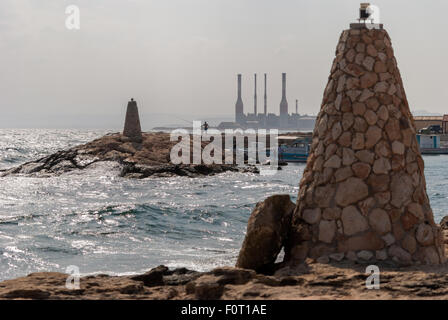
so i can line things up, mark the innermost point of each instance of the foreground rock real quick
(150, 157)
(444, 223)
(267, 232)
(310, 280)
(338, 280)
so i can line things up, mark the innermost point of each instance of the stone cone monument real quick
(363, 192)
(132, 127)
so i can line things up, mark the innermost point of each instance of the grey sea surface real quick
(106, 224)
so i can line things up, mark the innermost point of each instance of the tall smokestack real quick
(265, 96)
(284, 85)
(239, 115)
(284, 104)
(239, 87)
(255, 95)
(297, 106)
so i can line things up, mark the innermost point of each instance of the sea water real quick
(102, 223)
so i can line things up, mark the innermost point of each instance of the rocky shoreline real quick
(257, 275)
(310, 280)
(148, 158)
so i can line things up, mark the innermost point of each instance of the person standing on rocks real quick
(205, 126)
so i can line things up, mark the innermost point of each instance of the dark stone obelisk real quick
(132, 127)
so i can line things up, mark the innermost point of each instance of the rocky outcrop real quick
(363, 192)
(267, 232)
(444, 223)
(211, 285)
(338, 280)
(310, 280)
(148, 158)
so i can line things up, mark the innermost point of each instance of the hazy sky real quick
(181, 57)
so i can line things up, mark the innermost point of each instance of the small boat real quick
(430, 144)
(296, 151)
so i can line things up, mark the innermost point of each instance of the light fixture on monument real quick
(369, 17)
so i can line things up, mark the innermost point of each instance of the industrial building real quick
(426, 121)
(256, 120)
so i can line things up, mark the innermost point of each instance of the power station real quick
(284, 120)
